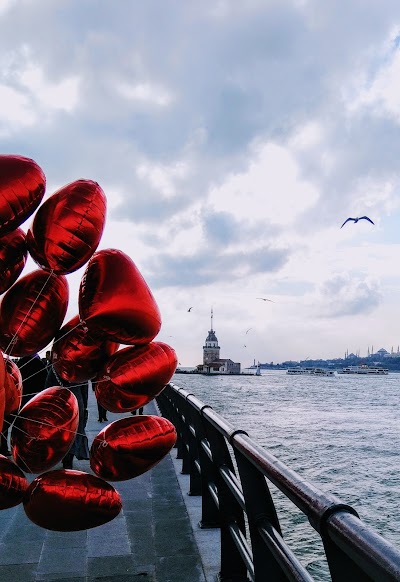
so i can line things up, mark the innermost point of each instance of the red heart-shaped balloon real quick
(68, 226)
(133, 376)
(13, 255)
(2, 389)
(115, 300)
(13, 387)
(32, 312)
(66, 500)
(77, 356)
(13, 483)
(131, 446)
(44, 429)
(22, 187)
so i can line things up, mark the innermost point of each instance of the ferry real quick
(322, 372)
(365, 370)
(298, 370)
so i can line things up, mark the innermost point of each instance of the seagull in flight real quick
(355, 220)
(190, 309)
(264, 299)
(249, 329)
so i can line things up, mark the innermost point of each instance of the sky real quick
(232, 140)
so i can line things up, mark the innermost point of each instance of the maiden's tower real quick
(212, 363)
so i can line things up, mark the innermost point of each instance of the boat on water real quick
(299, 371)
(365, 370)
(251, 371)
(322, 372)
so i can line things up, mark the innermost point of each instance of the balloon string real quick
(47, 365)
(68, 387)
(34, 374)
(14, 338)
(42, 422)
(104, 442)
(55, 341)
(66, 333)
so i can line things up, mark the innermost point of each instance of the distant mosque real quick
(379, 355)
(382, 353)
(212, 363)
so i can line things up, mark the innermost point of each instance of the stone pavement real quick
(155, 537)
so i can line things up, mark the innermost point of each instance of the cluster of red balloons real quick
(115, 308)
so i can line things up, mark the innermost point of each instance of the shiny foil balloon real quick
(32, 312)
(133, 376)
(13, 255)
(114, 300)
(131, 446)
(22, 187)
(76, 356)
(44, 429)
(68, 226)
(13, 483)
(13, 387)
(2, 389)
(67, 500)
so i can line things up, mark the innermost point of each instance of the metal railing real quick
(233, 475)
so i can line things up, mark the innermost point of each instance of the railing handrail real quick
(354, 551)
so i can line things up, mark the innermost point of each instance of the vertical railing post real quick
(259, 506)
(169, 404)
(195, 479)
(185, 440)
(230, 512)
(209, 509)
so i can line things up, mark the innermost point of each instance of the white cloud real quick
(376, 195)
(146, 93)
(271, 188)
(378, 91)
(61, 95)
(165, 178)
(16, 109)
(345, 294)
(27, 97)
(5, 5)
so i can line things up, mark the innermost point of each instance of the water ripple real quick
(341, 433)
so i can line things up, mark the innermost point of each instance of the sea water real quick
(339, 432)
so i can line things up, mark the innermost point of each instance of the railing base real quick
(220, 578)
(209, 525)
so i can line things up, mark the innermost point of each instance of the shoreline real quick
(214, 373)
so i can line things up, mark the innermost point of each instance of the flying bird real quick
(247, 331)
(190, 309)
(355, 220)
(264, 299)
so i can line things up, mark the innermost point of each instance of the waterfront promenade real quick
(155, 538)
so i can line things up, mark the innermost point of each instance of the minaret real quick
(211, 347)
